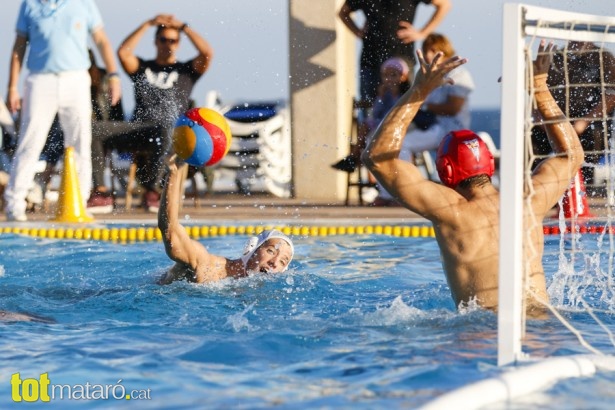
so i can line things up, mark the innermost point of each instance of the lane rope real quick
(149, 234)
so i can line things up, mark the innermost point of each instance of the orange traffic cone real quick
(70, 203)
(575, 199)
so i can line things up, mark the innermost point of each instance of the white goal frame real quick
(519, 21)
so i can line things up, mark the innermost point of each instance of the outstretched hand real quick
(544, 57)
(432, 76)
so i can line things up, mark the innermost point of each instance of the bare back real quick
(469, 243)
(469, 240)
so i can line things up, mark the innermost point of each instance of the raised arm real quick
(345, 15)
(177, 244)
(201, 62)
(126, 50)
(553, 176)
(401, 178)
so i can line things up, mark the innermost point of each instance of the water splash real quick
(239, 321)
(583, 277)
(398, 312)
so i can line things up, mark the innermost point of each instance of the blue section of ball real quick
(204, 147)
(200, 138)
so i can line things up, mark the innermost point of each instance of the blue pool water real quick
(361, 322)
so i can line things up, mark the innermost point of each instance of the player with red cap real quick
(464, 209)
(463, 154)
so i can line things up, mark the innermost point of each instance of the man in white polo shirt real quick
(58, 82)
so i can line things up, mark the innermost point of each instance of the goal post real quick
(523, 27)
(511, 187)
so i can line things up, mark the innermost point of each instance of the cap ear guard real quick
(446, 172)
(250, 246)
(491, 165)
(444, 167)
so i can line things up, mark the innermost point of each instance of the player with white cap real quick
(269, 252)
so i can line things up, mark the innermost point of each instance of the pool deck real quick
(265, 209)
(260, 208)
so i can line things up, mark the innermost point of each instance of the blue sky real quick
(251, 46)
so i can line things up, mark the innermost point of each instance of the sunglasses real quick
(165, 40)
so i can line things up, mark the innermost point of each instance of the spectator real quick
(394, 75)
(109, 132)
(162, 86)
(444, 110)
(55, 34)
(388, 32)
(577, 77)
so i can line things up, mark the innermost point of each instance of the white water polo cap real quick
(256, 241)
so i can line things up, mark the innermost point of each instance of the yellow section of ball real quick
(184, 141)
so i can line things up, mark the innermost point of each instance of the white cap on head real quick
(256, 241)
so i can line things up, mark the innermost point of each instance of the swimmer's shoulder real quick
(176, 272)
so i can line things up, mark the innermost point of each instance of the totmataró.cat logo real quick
(42, 389)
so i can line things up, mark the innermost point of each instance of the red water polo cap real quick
(463, 154)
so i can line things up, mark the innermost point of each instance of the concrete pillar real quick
(323, 78)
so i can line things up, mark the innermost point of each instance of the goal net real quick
(582, 79)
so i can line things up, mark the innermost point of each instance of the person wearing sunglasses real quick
(162, 86)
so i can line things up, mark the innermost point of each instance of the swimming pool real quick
(361, 321)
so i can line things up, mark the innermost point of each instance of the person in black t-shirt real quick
(162, 86)
(388, 32)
